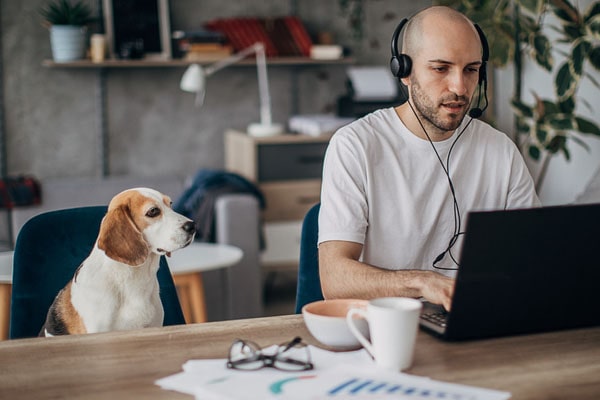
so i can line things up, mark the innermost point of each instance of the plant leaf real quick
(534, 6)
(592, 11)
(522, 126)
(502, 49)
(586, 126)
(534, 152)
(561, 122)
(565, 82)
(565, 11)
(594, 27)
(557, 143)
(566, 152)
(550, 108)
(542, 53)
(594, 57)
(522, 109)
(581, 48)
(63, 12)
(567, 105)
(541, 134)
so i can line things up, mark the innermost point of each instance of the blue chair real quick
(49, 248)
(309, 283)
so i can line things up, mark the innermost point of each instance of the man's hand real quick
(438, 289)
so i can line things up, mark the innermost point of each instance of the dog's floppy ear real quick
(120, 239)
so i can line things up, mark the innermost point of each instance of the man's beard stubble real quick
(431, 112)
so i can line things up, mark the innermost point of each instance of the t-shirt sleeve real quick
(343, 213)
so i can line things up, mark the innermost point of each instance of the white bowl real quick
(326, 321)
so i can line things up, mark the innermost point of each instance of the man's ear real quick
(120, 238)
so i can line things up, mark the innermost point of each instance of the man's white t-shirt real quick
(385, 188)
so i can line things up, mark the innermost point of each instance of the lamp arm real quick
(263, 86)
(261, 69)
(237, 57)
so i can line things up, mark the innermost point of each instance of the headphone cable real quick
(456, 209)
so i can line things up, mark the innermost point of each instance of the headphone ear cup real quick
(406, 66)
(401, 66)
(395, 66)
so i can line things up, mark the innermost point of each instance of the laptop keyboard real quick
(437, 318)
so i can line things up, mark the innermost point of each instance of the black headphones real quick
(401, 64)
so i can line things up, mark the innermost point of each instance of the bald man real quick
(397, 181)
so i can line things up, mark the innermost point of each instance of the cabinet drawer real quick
(278, 162)
(289, 201)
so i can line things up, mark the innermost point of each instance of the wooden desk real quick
(124, 365)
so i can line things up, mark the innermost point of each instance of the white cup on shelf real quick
(98, 47)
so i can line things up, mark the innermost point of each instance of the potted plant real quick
(67, 22)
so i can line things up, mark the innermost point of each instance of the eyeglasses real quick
(290, 356)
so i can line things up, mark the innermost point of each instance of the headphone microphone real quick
(478, 112)
(475, 112)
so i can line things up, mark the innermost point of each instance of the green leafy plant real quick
(66, 12)
(515, 29)
(354, 11)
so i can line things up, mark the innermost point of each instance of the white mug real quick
(393, 325)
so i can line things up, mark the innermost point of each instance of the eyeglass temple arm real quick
(291, 344)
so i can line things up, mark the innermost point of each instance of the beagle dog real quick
(116, 286)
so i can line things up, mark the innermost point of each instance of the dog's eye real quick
(153, 212)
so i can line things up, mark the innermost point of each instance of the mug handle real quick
(350, 321)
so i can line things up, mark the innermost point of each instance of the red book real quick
(237, 27)
(282, 37)
(301, 36)
(244, 32)
(260, 34)
(222, 25)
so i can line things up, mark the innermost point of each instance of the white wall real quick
(565, 180)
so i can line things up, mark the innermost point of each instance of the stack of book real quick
(282, 36)
(200, 45)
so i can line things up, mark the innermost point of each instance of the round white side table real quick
(187, 265)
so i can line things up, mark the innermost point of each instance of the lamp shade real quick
(194, 81)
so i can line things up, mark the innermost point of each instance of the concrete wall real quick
(51, 119)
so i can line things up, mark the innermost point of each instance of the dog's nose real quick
(189, 227)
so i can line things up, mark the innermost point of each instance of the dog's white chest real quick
(117, 298)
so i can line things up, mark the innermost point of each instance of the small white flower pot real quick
(68, 42)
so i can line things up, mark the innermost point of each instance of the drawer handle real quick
(310, 159)
(308, 199)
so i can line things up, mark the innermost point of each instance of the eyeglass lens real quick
(290, 356)
(245, 355)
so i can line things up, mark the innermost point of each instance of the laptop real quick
(524, 271)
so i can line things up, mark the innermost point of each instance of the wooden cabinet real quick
(286, 168)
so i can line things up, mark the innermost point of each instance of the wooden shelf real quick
(276, 61)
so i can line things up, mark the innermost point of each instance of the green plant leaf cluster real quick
(354, 11)
(518, 25)
(67, 12)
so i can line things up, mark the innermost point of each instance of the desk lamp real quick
(194, 80)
